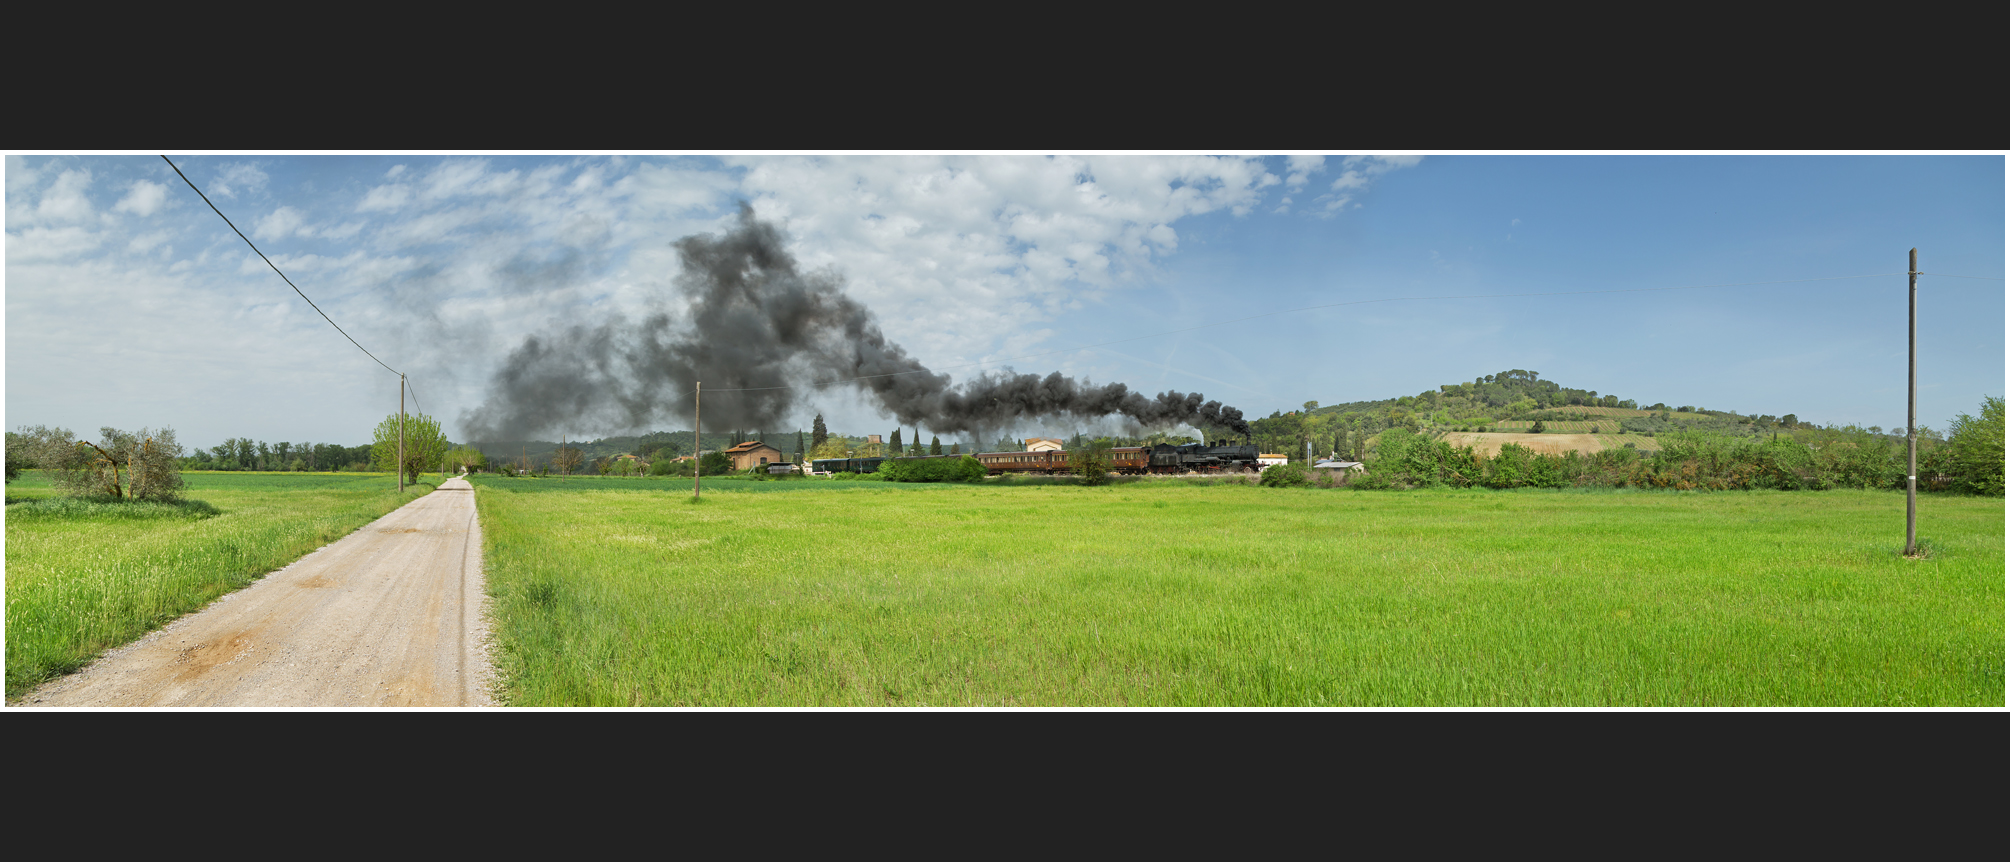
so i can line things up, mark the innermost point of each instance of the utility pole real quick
(1912, 406)
(401, 433)
(697, 439)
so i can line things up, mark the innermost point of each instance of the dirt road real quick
(390, 615)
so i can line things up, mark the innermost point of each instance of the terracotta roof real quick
(749, 446)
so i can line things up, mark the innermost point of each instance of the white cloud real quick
(144, 199)
(342, 231)
(44, 243)
(21, 176)
(992, 232)
(394, 171)
(1357, 172)
(386, 198)
(458, 176)
(233, 178)
(147, 241)
(65, 201)
(280, 223)
(1299, 170)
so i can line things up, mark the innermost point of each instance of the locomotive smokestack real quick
(758, 325)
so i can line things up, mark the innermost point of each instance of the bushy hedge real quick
(1286, 476)
(1810, 459)
(964, 469)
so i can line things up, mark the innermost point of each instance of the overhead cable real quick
(282, 276)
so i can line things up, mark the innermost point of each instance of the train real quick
(1164, 458)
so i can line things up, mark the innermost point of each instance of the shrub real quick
(1091, 462)
(964, 469)
(1975, 450)
(1286, 476)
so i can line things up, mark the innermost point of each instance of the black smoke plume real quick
(761, 335)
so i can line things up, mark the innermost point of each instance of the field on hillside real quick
(1511, 426)
(820, 592)
(1489, 443)
(82, 578)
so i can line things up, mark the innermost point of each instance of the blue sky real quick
(128, 303)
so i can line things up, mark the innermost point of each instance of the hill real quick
(1486, 410)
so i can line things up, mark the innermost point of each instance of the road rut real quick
(390, 615)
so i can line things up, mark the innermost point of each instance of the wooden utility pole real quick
(1912, 405)
(697, 438)
(401, 433)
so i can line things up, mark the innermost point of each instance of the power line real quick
(282, 276)
(1319, 307)
(1983, 277)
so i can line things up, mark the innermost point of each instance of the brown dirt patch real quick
(1489, 443)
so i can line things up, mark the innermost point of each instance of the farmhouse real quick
(753, 453)
(1340, 471)
(1044, 444)
(1267, 461)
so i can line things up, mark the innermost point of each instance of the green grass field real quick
(83, 578)
(814, 592)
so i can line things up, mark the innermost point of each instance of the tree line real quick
(1968, 459)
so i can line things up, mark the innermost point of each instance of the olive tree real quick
(142, 465)
(425, 445)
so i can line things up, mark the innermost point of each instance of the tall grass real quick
(87, 575)
(1175, 594)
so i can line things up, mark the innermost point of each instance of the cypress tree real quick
(893, 443)
(934, 445)
(818, 433)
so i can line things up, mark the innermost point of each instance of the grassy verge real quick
(620, 593)
(85, 576)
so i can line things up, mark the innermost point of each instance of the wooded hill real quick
(1510, 401)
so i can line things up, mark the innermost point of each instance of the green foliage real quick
(1537, 428)
(1091, 461)
(715, 464)
(18, 457)
(1809, 459)
(1975, 450)
(425, 445)
(142, 465)
(463, 456)
(1291, 475)
(964, 469)
(102, 508)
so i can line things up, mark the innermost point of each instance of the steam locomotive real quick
(1163, 458)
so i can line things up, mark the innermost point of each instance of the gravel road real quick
(390, 615)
